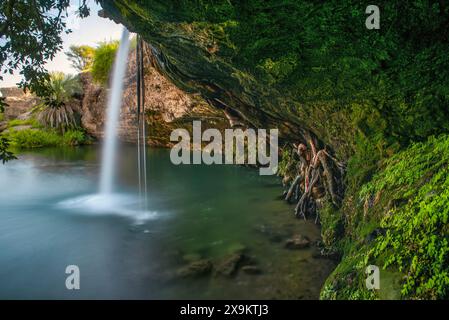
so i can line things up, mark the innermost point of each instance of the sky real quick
(88, 31)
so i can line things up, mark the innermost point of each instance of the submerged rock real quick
(251, 269)
(297, 242)
(195, 269)
(229, 265)
(191, 257)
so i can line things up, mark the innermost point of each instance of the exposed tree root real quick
(317, 174)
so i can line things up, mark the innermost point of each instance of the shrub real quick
(103, 60)
(56, 111)
(32, 138)
(74, 138)
(81, 57)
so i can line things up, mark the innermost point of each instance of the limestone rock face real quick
(18, 101)
(93, 106)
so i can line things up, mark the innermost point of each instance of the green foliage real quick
(2, 116)
(396, 218)
(57, 109)
(81, 57)
(33, 138)
(63, 89)
(5, 154)
(3, 104)
(416, 217)
(31, 35)
(103, 61)
(285, 163)
(281, 69)
(74, 138)
(332, 225)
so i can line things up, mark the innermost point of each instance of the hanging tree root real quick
(318, 174)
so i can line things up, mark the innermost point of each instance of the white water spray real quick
(113, 113)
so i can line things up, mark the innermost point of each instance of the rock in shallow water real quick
(229, 265)
(195, 269)
(251, 270)
(297, 242)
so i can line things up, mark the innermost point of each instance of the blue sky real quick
(89, 31)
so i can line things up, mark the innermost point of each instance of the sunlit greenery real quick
(81, 57)
(103, 61)
(33, 138)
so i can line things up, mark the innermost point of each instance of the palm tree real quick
(57, 111)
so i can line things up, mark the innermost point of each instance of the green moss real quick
(332, 223)
(2, 116)
(399, 222)
(416, 217)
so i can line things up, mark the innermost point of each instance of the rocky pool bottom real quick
(205, 232)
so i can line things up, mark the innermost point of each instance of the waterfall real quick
(141, 123)
(113, 113)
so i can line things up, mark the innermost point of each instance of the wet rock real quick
(229, 265)
(195, 269)
(251, 270)
(191, 257)
(297, 242)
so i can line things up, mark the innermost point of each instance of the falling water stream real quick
(113, 114)
(109, 200)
